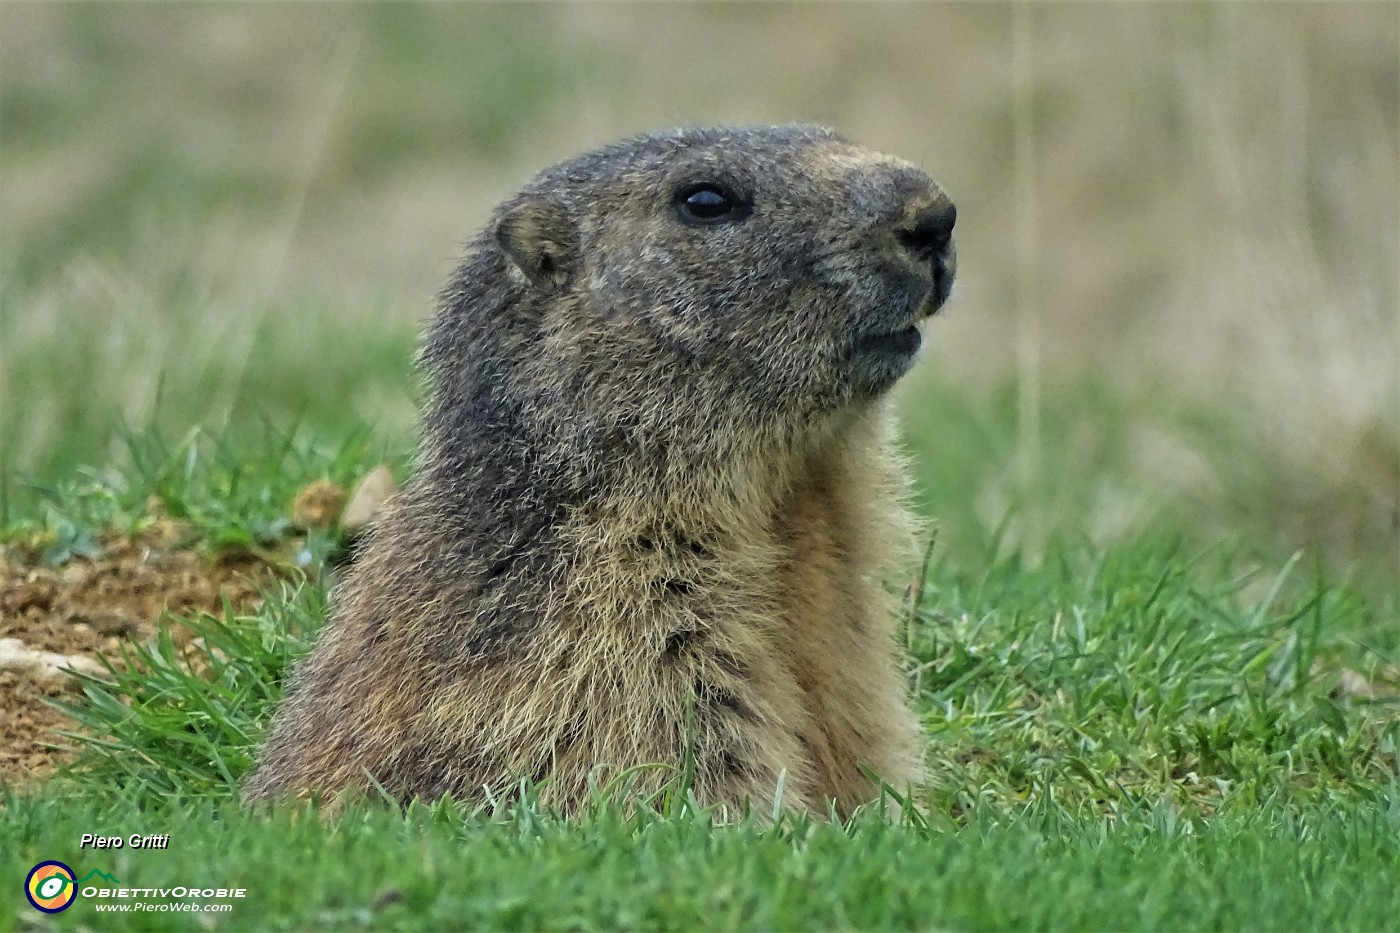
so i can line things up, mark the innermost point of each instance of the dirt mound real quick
(87, 607)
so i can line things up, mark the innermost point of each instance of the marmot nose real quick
(931, 231)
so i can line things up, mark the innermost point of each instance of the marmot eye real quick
(708, 203)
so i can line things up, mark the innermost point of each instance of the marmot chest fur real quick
(656, 496)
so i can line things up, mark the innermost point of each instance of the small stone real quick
(75, 573)
(114, 622)
(368, 499)
(165, 532)
(317, 505)
(44, 667)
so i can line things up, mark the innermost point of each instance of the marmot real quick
(656, 493)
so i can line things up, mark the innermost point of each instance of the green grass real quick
(1040, 867)
(1137, 649)
(1145, 734)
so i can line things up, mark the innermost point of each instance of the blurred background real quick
(1179, 233)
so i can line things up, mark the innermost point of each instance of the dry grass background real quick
(249, 207)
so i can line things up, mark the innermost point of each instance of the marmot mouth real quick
(904, 342)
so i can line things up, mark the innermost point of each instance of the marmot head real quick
(781, 272)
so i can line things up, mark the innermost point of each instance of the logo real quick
(51, 887)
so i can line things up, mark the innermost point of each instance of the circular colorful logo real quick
(51, 887)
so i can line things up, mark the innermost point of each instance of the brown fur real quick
(656, 499)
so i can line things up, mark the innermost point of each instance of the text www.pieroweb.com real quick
(181, 900)
(143, 906)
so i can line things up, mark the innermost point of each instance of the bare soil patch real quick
(88, 607)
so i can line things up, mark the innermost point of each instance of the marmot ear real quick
(538, 235)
